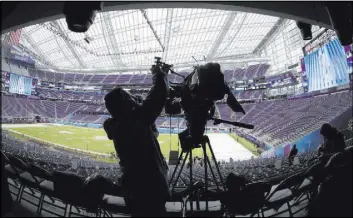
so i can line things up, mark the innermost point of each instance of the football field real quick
(86, 139)
(95, 140)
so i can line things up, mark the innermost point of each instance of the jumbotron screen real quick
(327, 67)
(20, 84)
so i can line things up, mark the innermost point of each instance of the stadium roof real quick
(132, 38)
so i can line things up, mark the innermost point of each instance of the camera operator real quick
(134, 134)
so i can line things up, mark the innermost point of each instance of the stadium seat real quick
(68, 188)
(46, 186)
(114, 204)
(304, 189)
(20, 170)
(199, 208)
(284, 192)
(349, 148)
(9, 170)
(253, 197)
(296, 161)
(174, 208)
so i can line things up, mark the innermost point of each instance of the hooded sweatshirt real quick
(334, 141)
(133, 133)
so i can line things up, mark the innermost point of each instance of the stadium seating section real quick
(288, 183)
(33, 154)
(253, 71)
(275, 121)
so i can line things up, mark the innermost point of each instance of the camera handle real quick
(166, 66)
(173, 72)
(238, 124)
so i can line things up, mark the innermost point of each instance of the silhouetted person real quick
(334, 198)
(232, 197)
(333, 141)
(134, 134)
(293, 152)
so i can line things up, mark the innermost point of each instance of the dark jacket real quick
(293, 152)
(334, 142)
(143, 165)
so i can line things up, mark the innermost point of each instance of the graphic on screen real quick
(20, 84)
(327, 67)
(5, 78)
(34, 86)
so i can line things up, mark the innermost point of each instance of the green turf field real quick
(91, 139)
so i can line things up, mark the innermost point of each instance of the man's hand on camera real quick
(155, 69)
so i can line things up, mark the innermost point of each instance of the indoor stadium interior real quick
(287, 65)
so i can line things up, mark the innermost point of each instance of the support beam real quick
(39, 55)
(77, 57)
(151, 27)
(239, 27)
(167, 34)
(270, 35)
(110, 40)
(181, 65)
(29, 12)
(237, 57)
(222, 34)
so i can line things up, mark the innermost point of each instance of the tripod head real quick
(188, 141)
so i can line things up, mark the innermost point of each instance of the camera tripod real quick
(207, 163)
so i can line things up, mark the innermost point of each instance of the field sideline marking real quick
(59, 145)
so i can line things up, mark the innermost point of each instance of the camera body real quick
(163, 66)
(196, 96)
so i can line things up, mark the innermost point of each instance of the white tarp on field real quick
(225, 147)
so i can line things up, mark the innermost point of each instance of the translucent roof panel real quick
(245, 33)
(132, 38)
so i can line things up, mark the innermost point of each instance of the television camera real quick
(196, 96)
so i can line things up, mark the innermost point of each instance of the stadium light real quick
(305, 30)
(80, 15)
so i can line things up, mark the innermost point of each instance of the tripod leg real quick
(181, 169)
(214, 159)
(213, 175)
(190, 185)
(206, 176)
(176, 167)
